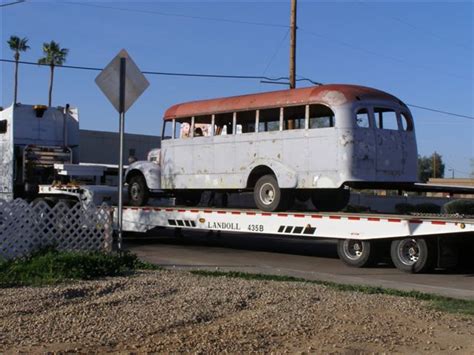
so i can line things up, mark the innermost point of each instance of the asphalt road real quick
(312, 260)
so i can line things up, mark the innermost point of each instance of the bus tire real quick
(413, 255)
(356, 253)
(330, 200)
(268, 196)
(138, 192)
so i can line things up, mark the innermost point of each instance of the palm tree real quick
(17, 45)
(53, 55)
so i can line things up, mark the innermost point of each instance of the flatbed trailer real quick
(414, 243)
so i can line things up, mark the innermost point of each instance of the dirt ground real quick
(174, 311)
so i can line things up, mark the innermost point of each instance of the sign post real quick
(122, 82)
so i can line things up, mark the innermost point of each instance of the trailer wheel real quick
(268, 196)
(138, 192)
(414, 255)
(357, 253)
(330, 200)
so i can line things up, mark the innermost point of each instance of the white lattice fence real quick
(25, 228)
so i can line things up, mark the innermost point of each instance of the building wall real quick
(451, 182)
(103, 147)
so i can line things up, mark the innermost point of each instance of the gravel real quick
(174, 311)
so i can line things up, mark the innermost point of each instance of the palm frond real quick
(53, 54)
(18, 44)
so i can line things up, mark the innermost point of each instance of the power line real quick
(440, 111)
(276, 51)
(343, 43)
(12, 3)
(169, 14)
(222, 76)
(198, 75)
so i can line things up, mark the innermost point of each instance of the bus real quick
(307, 143)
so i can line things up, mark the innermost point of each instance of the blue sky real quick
(421, 52)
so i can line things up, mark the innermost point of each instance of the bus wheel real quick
(268, 196)
(357, 253)
(138, 192)
(414, 255)
(330, 200)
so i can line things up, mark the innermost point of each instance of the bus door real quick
(388, 141)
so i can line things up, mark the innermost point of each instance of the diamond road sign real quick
(109, 81)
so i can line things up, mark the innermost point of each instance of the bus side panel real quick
(177, 163)
(246, 153)
(224, 155)
(324, 161)
(203, 160)
(270, 146)
(410, 155)
(360, 156)
(389, 161)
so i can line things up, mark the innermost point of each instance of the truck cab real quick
(32, 139)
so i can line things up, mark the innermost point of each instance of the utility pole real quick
(434, 165)
(292, 76)
(293, 45)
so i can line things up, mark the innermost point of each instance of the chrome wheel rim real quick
(353, 249)
(267, 194)
(408, 251)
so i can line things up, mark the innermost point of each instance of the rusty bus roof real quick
(330, 95)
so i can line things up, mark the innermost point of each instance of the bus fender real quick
(151, 172)
(287, 178)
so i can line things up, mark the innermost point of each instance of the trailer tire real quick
(413, 255)
(330, 200)
(268, 196)
(356, 253)
(138, 192)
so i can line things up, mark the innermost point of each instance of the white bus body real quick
(312, 139)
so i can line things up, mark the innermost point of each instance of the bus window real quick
(246, 121)
(320, 116)
(202, 126)
(182, 128)
(3, 126)
(295, 114)
(407, 123)
(269, 120)
(385, 118)
(224, 123)
(362, 118)
(167, 130)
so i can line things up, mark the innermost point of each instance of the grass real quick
(440, 303)
(49, 266)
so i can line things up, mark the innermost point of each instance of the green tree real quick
(472, 168)
(17, 45)
(53, 55)
(430, 167)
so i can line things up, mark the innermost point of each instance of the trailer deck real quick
(303, 224)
